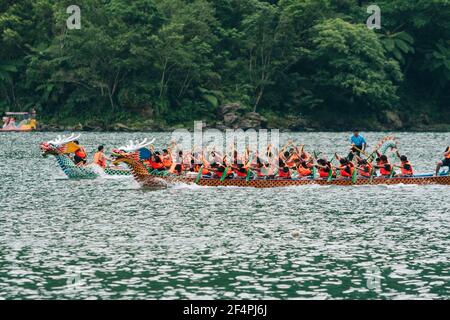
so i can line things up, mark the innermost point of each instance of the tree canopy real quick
(182, 59)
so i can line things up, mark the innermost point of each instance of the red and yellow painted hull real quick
(274, 183)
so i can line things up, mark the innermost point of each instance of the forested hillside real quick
(163, 63)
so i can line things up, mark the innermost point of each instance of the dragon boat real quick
(152, 179)
(61, 147)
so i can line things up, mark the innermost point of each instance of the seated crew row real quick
(294, 163)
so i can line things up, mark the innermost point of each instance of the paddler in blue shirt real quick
(358, 144)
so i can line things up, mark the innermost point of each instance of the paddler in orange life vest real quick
(303, 167)
(167, 159)
(445, 162)
(156, 162)
(386, 169)
(405, 166)
(80, 154)
(100, 158)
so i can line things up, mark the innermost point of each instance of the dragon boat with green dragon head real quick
(62, 146)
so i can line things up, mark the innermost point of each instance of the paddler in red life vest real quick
(324, 167)
(386, 169)
(346, 168)
(283, 170)
(79, 155)
(364, 168)
(445, 162)
(100, 158)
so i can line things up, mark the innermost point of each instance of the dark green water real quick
(109, 239)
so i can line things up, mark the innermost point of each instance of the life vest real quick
(347, 171)
(323, 172)
(220, 173)
(81, 153)
(242, 172)
(365, 170)
(157, 165)
(284, 174)
(448, 155)
(197, 169)
(99, 159)
(407, 169)
(167, 161)
(304, 171)
(291, 161)
(386, 169)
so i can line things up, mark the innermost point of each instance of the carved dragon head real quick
(135, 151)
(60, 145)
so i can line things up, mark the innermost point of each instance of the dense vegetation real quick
(177, 60)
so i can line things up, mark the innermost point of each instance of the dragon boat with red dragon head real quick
(134, 155)
(63, 146)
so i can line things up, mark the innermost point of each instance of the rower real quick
(167, 159)
(346, 168)
(80, 154)
(241, 171)
(358, 144)
(324, 168)
(100, 158)
(364, 168)
(156, 162)
(405, 166)
(386, 169)
(445, 162)
(283, 170)
(303, 168)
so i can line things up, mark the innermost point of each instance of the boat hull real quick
(274, 183)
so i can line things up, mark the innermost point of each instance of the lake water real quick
(110, 239)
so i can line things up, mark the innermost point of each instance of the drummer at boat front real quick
(358, 144)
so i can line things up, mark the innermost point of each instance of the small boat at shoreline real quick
(27, 124)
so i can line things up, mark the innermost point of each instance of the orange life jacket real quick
(407, 169)
(448, 155)
(197, 169)
(304, 171)
(167, 161)
(156, 165)
(386, 169)
(81, 153)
